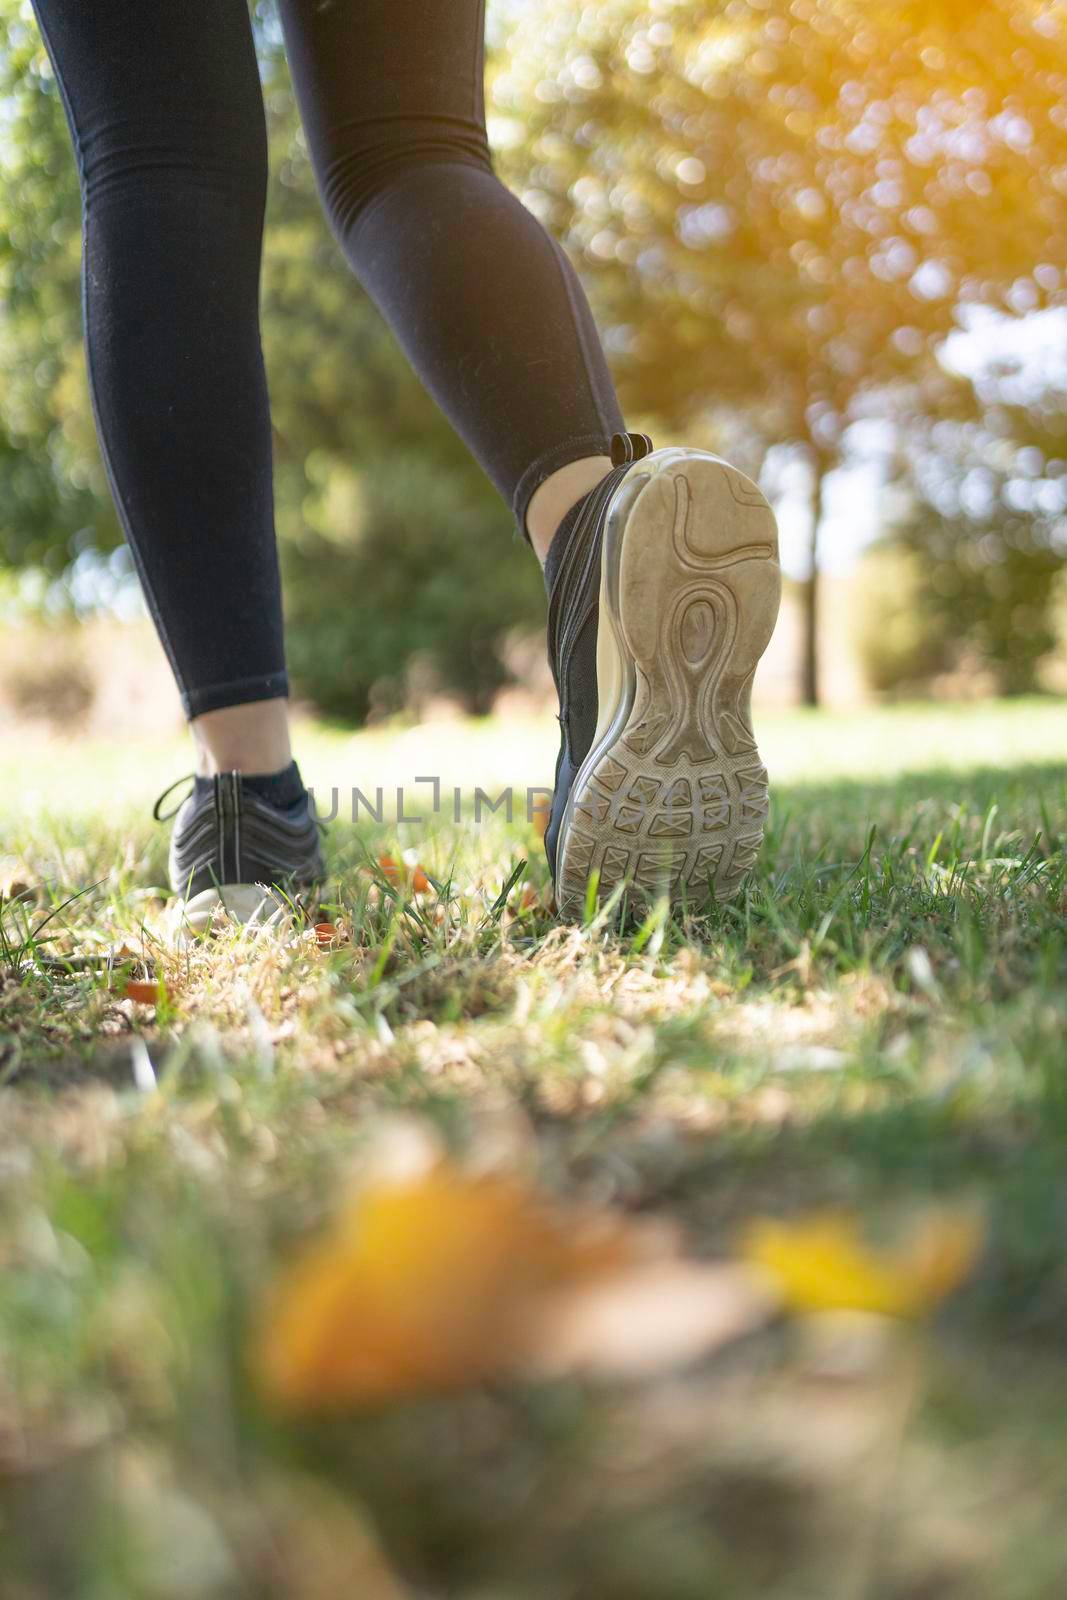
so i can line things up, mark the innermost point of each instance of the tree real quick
(52, 485)
(781, 205)
(988, 519)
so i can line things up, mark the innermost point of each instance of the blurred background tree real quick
(985, 525)
(782, 209)
(53, 493)
(781, 206)
(416, 601)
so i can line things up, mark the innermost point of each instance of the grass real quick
(879, 1021)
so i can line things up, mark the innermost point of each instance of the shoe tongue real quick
(558, 548)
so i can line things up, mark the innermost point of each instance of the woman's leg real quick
(483, 300)
(658, 786)
(166, 114)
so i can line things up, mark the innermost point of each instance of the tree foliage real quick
(52, 486)
(417, 597)
(781, 208)
(987, 525)
(782, 205)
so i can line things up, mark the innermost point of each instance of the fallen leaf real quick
(822, 1263)
(145, 992)
(406, 868)
(416, 1288)
(448, 1279)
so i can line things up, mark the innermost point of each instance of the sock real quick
(280, 789)
(558, 548)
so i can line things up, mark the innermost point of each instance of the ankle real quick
(250, 738)
(560, 542)
(558, 495)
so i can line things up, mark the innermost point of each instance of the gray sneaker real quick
(662, 604)
(232, 848)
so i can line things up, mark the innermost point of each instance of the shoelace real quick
(165, 816)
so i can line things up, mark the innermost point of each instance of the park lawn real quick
(878, 1025)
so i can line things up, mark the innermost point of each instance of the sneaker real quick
(664, 598)
(232, 848)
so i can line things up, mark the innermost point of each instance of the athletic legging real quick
(164, 103)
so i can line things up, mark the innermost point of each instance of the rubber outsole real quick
(672, 797)
(249, 904)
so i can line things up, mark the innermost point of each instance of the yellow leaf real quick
(822, 1263)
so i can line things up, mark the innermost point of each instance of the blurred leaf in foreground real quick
(822, 1263)
(447, 1279)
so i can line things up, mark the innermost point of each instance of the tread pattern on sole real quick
(677, 803)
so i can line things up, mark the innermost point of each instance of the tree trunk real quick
(809, 662)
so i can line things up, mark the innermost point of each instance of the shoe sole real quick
(672, 797)
(249, 904)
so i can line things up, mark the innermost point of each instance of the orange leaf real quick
(390, 868)
(419, 881)
(146, 993)
(422, 1286)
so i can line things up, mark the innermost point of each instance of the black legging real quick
(167, 118)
